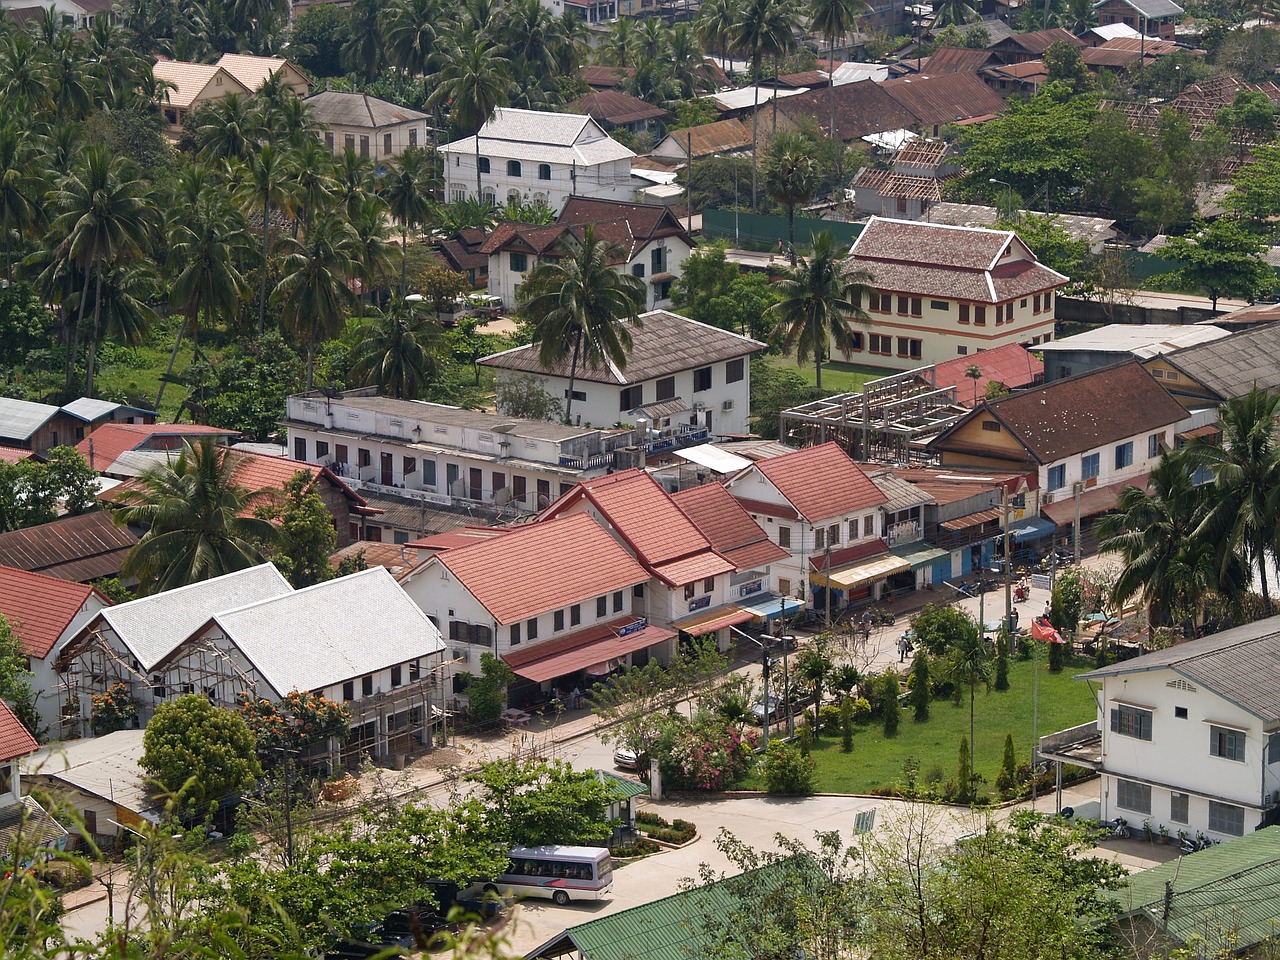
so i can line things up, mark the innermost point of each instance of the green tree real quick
(631, 704)
(399, 349)
(939, 627)
(846, 725)
(266, 183)
(20, 186)
(199, 754)
(704, 276)
(954, 11)
(787, 770)
(921, 691)
(365, 50)
(253, 382)
(970, 664)
(790, 176)
(1222, 258)
(1002, 658)
(523, 396)
(536, 802)
(320, 32)
(834, 19)
(813, 669)
(26, 498)
(306, 536)
(193, 511)
(745, 307)
(474, 81)
(819, 296)
(580, 308)
(70, 480)
(411, 29)
(15, 688)
(408, 188)
(487, 693)
(1065, 64)
(761, 28)
(774, 389)
(1007, 779)
(892, 710)
(964, 772)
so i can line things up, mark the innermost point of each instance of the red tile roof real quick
(728, 526)
(40, 607)
(821, 482)
(1011, 366)
(577, 651)
(15, 740)
(691, 569)
(847, 555)
(102, 447)
(461, 537)
(71, 548)
(258, 471)
(14, 454)
(543, 566)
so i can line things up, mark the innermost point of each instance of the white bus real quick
(560, 873)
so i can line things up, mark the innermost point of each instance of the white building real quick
(680, 375)
(538, 156)
(1188, 737)
(365, 125)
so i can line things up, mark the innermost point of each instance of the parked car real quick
(777, 707)
(624, 758)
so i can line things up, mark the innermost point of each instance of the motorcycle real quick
(1117, 828)
(1020, 593)
(882, 618)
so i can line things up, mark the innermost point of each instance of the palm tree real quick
(958, 12)
(267, 184)
(819, 295)
(372, 248)
(24, 71)
(126, 316)
(20, 206)
(313, 295)
(763, 28)
(971, 657)
(1245, 464)
(688, 69)
(974, 373)
(105, 213)
(619, 44)
(791, 176)
(313, 182)
(195, 518)
(832, 19)
(229, 128)
(69, 74)
(714, 26)
(399, 349)
(408, 188)
(410, 29)
(365, 49)
(353, 180)
(581, 308)
(474, 82)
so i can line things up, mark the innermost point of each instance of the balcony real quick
(1080, 746)
(597, 461)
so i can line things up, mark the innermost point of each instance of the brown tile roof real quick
(1011, 366)
(729, 527)
(601, 77)
(112, 439)
(40, 607)
(543, 566)
(938, 100)
(706, 139)
(398, 560)
(949, 60)
(462, 257)
(861, 108)
(630, 225)
(616, 108)
(821, 482)
(1069, 416)
(663, 343)
(1101, 56)
(1038, 41)
(15, 740)
(931, 244)
(79, 548)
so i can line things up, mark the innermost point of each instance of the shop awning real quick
(970, 520)
(766, 605)
(578, 651)
(919, 554)
(709, 621)
(1092, 502)
(1032, 528)
(856, 574)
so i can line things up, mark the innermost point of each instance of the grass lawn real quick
(136, 373)
(836, 377)
(877, 761)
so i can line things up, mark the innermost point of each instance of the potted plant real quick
(1146, 830)
(1164, 834)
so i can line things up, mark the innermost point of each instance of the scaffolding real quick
(890, 421)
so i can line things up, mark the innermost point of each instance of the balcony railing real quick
(597, 461)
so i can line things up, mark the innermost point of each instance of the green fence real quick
(767, 229)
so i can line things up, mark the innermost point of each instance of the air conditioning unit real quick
(727, 405)
(1046, 499)
(1275, 798)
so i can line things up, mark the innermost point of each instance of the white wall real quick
(335, 139)
(605, 181)
(1107, 472)
(45, 680)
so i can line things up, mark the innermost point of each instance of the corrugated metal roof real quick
(71, 548)
(1232, 366)
(106, 767)
(19, 419)
(1142, 340)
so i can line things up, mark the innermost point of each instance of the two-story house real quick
(358, 640)
(941, 291)
(537, 156)
(820, 506)
(1157, 18)
(28, 834)
(1187, 737)
(44, 613)
(446, 456)
(651, 245)
(364, 125)
(911, 184)
(557, 600)
(682, 379)
(1086, 438)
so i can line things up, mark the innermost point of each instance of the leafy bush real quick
(861, 711)
(708, 754)
(639, 847)
(787, 771)
(829, 718)
(677, 831)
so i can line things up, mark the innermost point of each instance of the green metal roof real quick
(624, 788)
(1230, 886)
(918, 554)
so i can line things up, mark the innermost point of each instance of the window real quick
(944, 305)
(513, 168)
(519, 262)
(666, 388)
(602, 607)
(1153, 445)
(1124, 455)
(366, 686)
(637, 591)
(881, 344)
(575, 615)
(1036, 303)
(962, 351)
(364, 146)
(1224, 818)
(617, 601)
(869, 525)
(531, 628)
(1131, 722)
(559, 620)
(349, 143)
(833, 535)
(429, 473)
(879, 302)
(1133, 796)
(701, 379)
(964, 313)
(1048, 300)
(1179, 808)
(784, 537)
(708, 584)
(853, 529)
(340, 453)
(1180, 713)
(328, 142)
(991, 426)
(657, 260)
(979, 316)
(544, 171)
(855, 342)
(1226, 743)
(397, 676)
(819, 538)
(300, 448)
(386, 144)
(637, 270)
(577, 395)
(917, 308)
(734, 370)
(1089, 466)
(484, 164)
(631, 397)
(1058, 476)
(413, 138)
(364, 457)
(688, 591)
(515, 634)
(349, 690)
(462, 632)
(902, 306)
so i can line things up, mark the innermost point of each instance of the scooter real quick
(1020, 593)
(1119, 827)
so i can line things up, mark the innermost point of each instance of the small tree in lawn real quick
(846, 725)
(892, 710)
(787, 770)
(198, 753)
(1002, 659)
(1007, 780)
(1055, 657)
(964, 775)
(920, 692)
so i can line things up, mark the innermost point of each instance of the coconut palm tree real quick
(688, 69)
(714, 26)
(106, 214)
(835, 19)
(408, 189)
(410, 29)
(763, 28)
(365, 50)
(399, 349)
(474, 82)
(20, 188)
(958, 12)
(372, 246)
(194, 513)
(580, 308)
(790, 177)
(229, 128)
(313, 182)
(353, 180)
(819, 296)
(619, 44)
(267, 184)
(313, 296)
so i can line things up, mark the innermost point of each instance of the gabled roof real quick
(1234, 365)
(1080, 413)
(151, 627)
(190, 80)
(15, 454)
(20, 419)
(334, 108)
(254, 71)
(617, 108)
(1038, 41)
(706, 139)
(257, 471)
(663, 343)
(71, 548)
(538, 136)
(331, 632)
(15, 739)
(631, 226)
(949, 60)
(1152, 9)
(102, 447)
(732, 532)
(106, 767)
(862, 108)
(541, 567)
(937, 100)
(605, 77)
(1011, 366)
(90, 409)
(819, 482)
(40, 608)
(1239, 664)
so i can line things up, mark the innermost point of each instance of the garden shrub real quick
(861, 711)
(708, 754)
(829, 718)
(787, 771)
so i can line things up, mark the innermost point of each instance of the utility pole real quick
(1079, 486)
(1008, 567)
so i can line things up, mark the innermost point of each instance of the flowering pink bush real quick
(709, 755)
